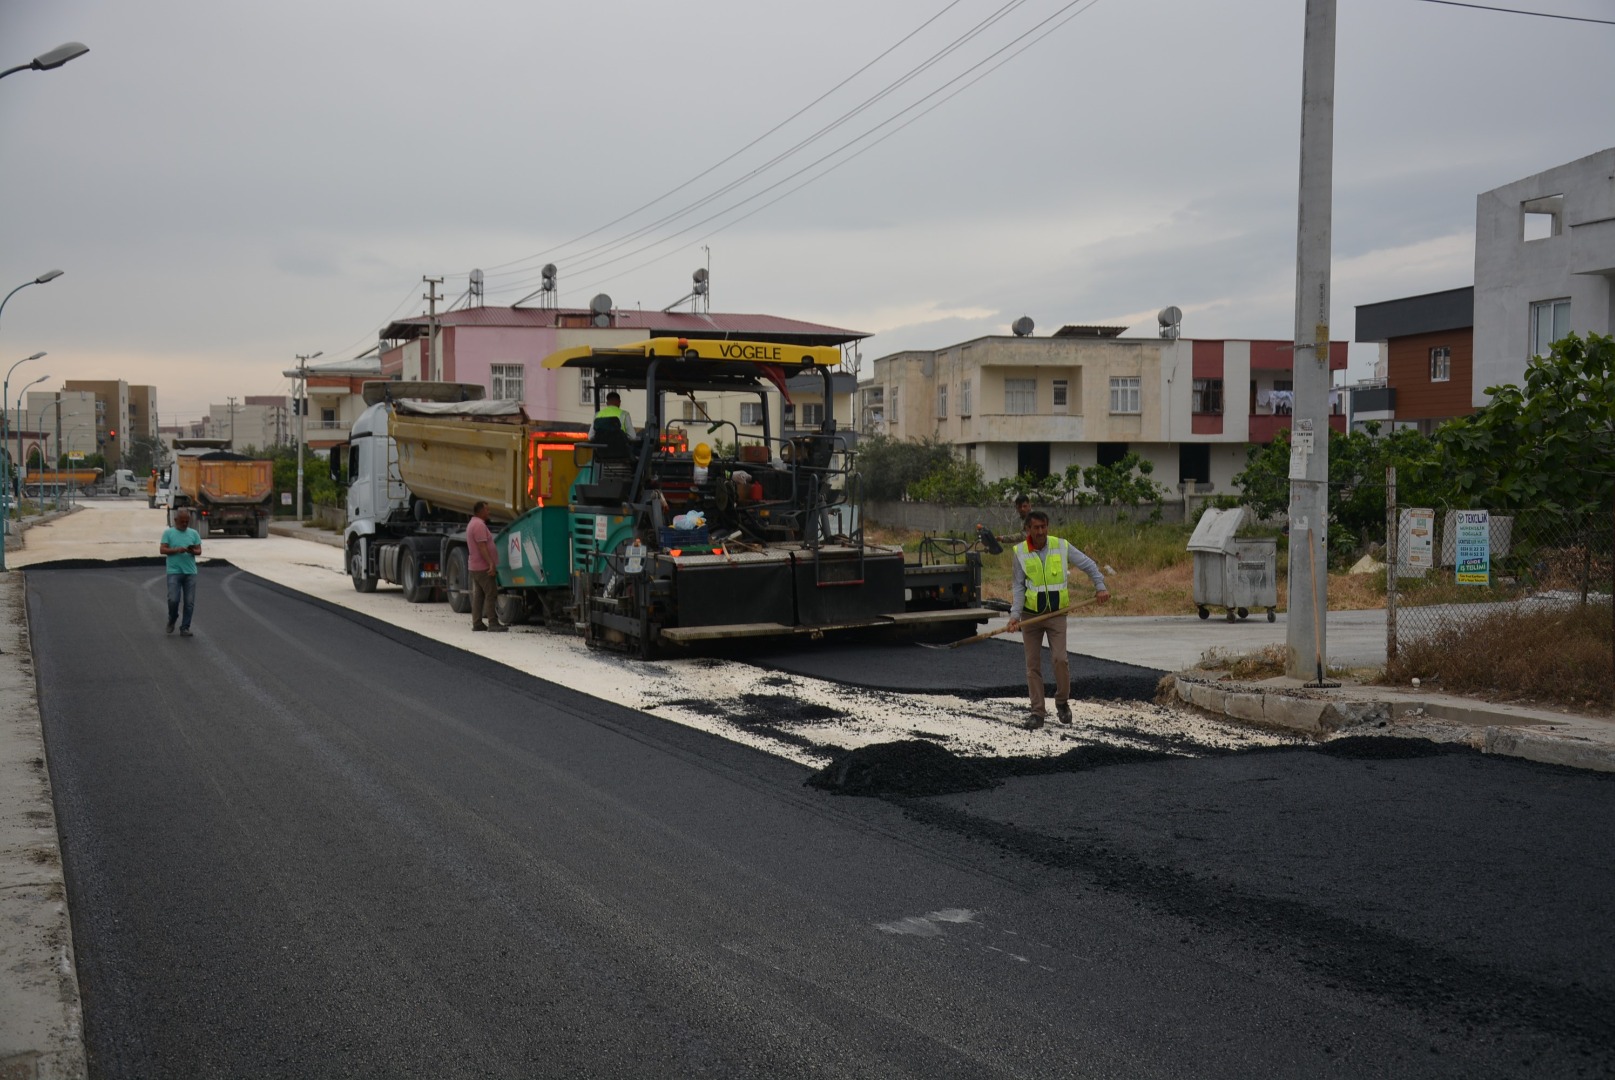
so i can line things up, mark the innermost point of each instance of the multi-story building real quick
(256, 422)
(334, 397)
(54, 423)
(1086, 395)
(1426, 364)
(1544, 266)
(502, 348)
(118, 420)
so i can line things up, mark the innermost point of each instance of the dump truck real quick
(56, 481)
(588, 522)
(419, 459)
(226, 492)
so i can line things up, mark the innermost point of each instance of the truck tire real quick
(263, 527)
(457, 579)
(409, 576)
(362, 582)
(124, 493)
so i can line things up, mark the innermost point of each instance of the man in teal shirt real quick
(182, 545)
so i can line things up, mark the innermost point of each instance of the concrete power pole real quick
(300, 397)
(429, 370)
(1309, 434)
(230, 404)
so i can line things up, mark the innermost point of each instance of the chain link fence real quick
(1515, 600)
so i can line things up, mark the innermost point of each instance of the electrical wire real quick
(1520, 11)
(501, 267)
(1080, 5)
(371, 336)
(889, 89)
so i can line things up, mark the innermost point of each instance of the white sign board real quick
(1419, 526)
(285, 498)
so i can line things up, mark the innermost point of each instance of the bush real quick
(956, 483)
(889, 466)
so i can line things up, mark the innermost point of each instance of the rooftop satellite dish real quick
(601, 306)
(476, 277)
(1171, 320)
(549, 270)
(1023, 326)
(700, 273)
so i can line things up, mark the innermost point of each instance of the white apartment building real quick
(1544, 266)
(1086, 395)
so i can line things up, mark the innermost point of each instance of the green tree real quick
(1548, 443)
(145, 454)
(889, 466)
(1126, 483)
(955, 483)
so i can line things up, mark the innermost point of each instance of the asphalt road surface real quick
(307, 844)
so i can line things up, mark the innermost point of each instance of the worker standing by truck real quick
(182, 545)
(483, 563)
(1041, 564)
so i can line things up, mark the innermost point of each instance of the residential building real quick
(1425, 372)
(1544, 266)
(502, 348)
(335, 398)
(122, 413)
(1087, 395)
(256, 422)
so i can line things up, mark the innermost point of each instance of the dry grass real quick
(1560, 655)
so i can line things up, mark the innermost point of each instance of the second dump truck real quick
(227, 492)
(584, 521)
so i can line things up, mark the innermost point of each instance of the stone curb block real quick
(1549, 749)
(1310, 716)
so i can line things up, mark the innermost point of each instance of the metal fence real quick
(1455, 574)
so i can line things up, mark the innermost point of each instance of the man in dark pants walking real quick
(483, 563)
(182, 545)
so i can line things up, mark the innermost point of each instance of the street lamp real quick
(20, 417)
(302, 419)
(49, 61)
(47, 276)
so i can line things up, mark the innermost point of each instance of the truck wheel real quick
(362, 582)
(511, 609)
(263, 528)
(409, 576)
(457, 580)
(124, 493)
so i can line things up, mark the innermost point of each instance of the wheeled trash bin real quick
(1236, 573)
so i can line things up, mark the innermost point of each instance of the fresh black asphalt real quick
(307, 844)
(985, 669)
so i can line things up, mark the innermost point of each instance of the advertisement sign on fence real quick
(1419, 528)
(1474, 564)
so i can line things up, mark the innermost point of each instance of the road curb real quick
(41, 1016)
(1319, 715)
(303, 532)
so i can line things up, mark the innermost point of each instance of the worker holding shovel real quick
(1042, 596)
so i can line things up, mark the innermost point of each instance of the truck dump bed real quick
(452, 460)
(224, 479)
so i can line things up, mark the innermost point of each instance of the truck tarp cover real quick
(480, 409)
(221, 455)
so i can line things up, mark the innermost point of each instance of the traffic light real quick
(112, 434)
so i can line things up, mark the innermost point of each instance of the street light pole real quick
(5, 488)
(302, 421)
(21, 416)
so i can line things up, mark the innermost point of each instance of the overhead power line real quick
(491, 270)
(1521, 11)
(858, 153)
(1040, 26)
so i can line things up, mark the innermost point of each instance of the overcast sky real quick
(227, 185)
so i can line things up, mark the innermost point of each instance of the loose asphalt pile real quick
(985, 670)
(917, 768)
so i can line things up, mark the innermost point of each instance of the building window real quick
(1020, 396)
(1208, 396)
(894, 414)
(1550, 321)
(751, 414)
(965, 395)
(328, 417)
(507, 382)
(1060, 395)
(812, 414)
(1440, 364)
(942, 403)
(585, 386)
(694, 410)
(1124, 394)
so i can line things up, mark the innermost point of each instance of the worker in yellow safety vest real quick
(613, 410)
(1041, 565)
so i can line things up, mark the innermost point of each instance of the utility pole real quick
(231, 406)
(429, 366)
(1307, 649)
(300, 400)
